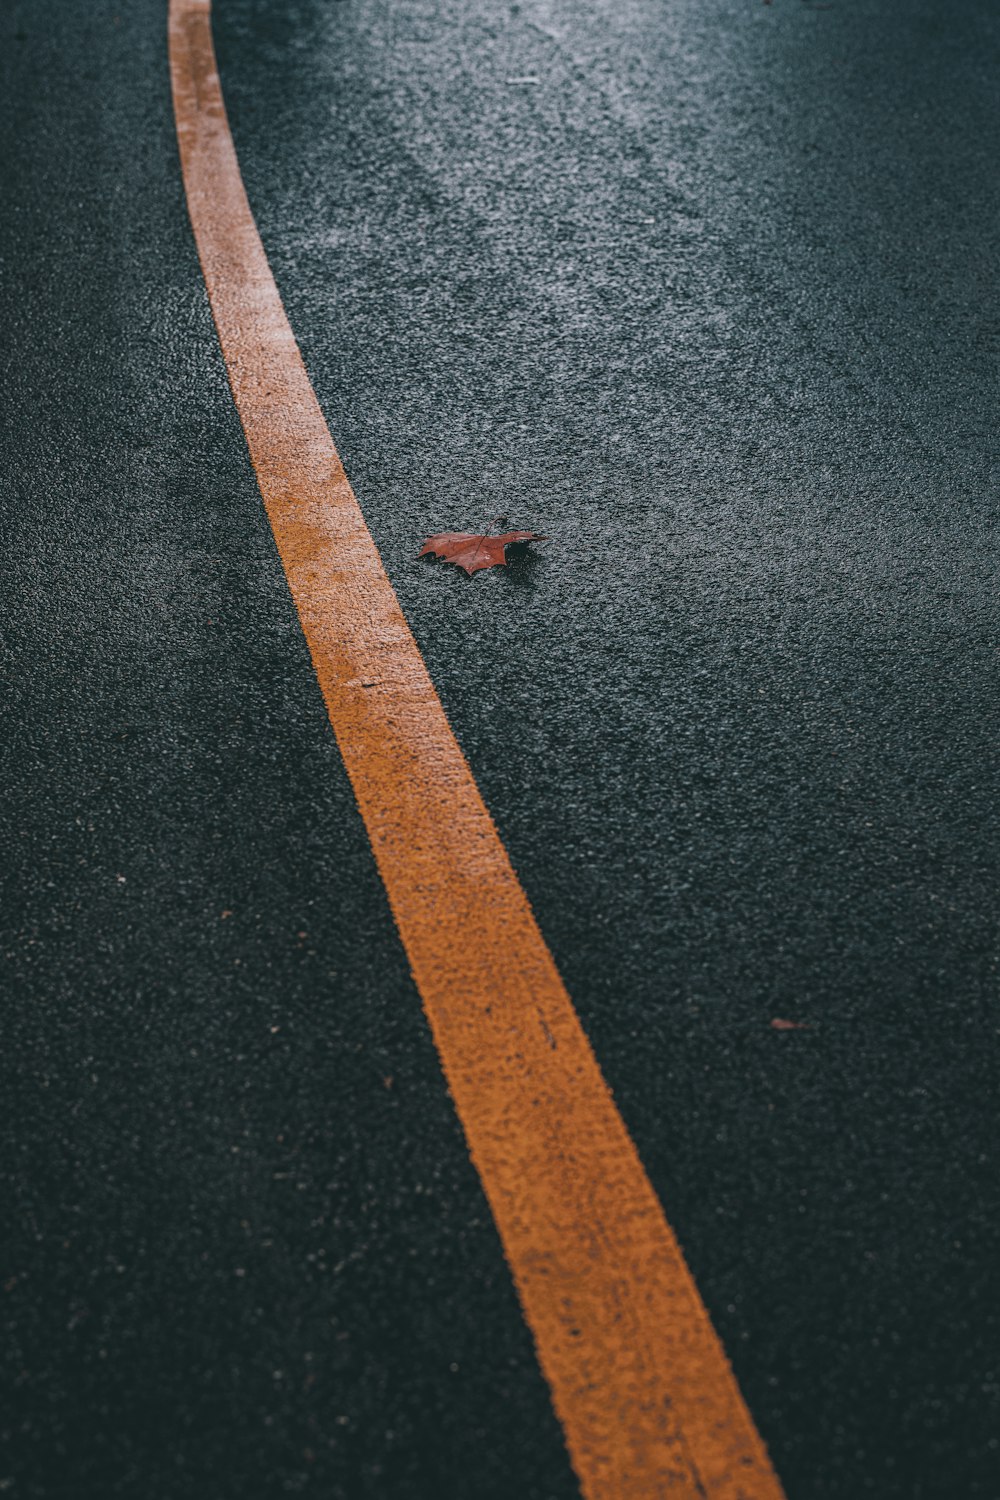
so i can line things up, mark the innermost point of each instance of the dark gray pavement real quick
(712, 301)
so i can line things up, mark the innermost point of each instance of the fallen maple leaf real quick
(778, 1025)
(474, 550)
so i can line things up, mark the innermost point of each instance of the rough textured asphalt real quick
(711, 302)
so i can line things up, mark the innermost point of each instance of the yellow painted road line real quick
(639, 1380)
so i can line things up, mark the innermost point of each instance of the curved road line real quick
(640, 1382)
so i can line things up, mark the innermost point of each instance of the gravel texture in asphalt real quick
(705, 292)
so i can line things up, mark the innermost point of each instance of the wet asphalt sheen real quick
(711, 301)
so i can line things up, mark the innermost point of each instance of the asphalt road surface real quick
(705, 290)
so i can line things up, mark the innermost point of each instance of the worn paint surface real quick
(639, 1380)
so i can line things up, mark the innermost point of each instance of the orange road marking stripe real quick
(639, 1380)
